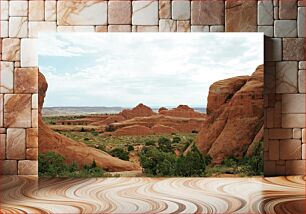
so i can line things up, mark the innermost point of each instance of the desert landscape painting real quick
(151, 105)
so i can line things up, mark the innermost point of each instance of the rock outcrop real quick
(72, 150)
(140, 110)
(134, 130)
(162, 129)
(182, 111)
(234, 116)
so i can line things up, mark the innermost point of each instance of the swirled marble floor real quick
(153, 195)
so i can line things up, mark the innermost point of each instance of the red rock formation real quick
(162, 129)
(162, 109)
(140, 110)
(72, 150)
(134, 130)
(182, 111)
(235, 116)
(111, 119)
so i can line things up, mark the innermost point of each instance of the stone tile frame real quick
(282, 22)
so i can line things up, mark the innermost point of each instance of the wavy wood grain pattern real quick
(153, 195)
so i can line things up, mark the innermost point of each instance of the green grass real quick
(109, 142)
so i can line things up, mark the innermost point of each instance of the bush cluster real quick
(51, 164)
(120, 153)
(162, 161)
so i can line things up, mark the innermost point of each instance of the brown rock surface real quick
(182, 111)
(162, 129)
(235, 116)
(135, 130)
(72, 150)
(140, 110)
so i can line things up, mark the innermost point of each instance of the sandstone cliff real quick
(140, 110)
(234, 116)
(72, 150)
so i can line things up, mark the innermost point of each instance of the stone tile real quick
(297, 133)
(17, 110)
(302, 65)
(119, 28)
(301, 3)
(1, 111)
(269, 81)
(8, 167)
(267, 30)
(293, 49)
(18, 8)
(303, 151)
(75, 29)
(4, 9)
(293, 103)
(32, 138)
(18, 27)
(167, 25)
(34, 101)
(11, 49)
(269, 117)
(217, 28)
(2, 146)
(26, 80)
(280, 170)
(275, 16)
(273, 149)
(145, 13)
(164, 9)
(36, 10)
(101, 28)
(270, 168)
(275, 3)
(278, 114)
(29, 56)
(17, 64)
(287, 9)
(301, 80)
(301, 22)
(277, 134)
(290, 149)
(239, 16)
(180, 10)
(293, 120)
(28, 167)
(2, 130)
(119, 12)
(286, 77)
(90, 12)
(285, 28)
(35, 118)
(295, 167)
(207, 12)
(4, 29)
(50, 10)
(6, 77)
(273, 49)
(15, 144)
(304, 135)
(199, 28)
(32, 154)
(265, 12)
(147, 29)
(36, 27)
(183, 26)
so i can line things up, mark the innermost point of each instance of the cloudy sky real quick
(157, 69)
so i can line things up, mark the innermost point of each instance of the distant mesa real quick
(162, 109)
(140, 110)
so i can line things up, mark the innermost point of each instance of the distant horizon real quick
(90, 69)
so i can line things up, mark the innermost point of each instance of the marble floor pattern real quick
(26, 194)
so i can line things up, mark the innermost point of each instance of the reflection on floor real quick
(153, 195)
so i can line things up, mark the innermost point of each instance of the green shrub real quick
(95, 133)
(149, 142)
(101, 147)
(110, 128)
(254, 165)
(130, 148)
(82, 129)
(120, 153)
(51, 164)
(176, 139)
(164, 144)
(194, 131)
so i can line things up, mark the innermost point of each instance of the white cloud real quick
(156, 69)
